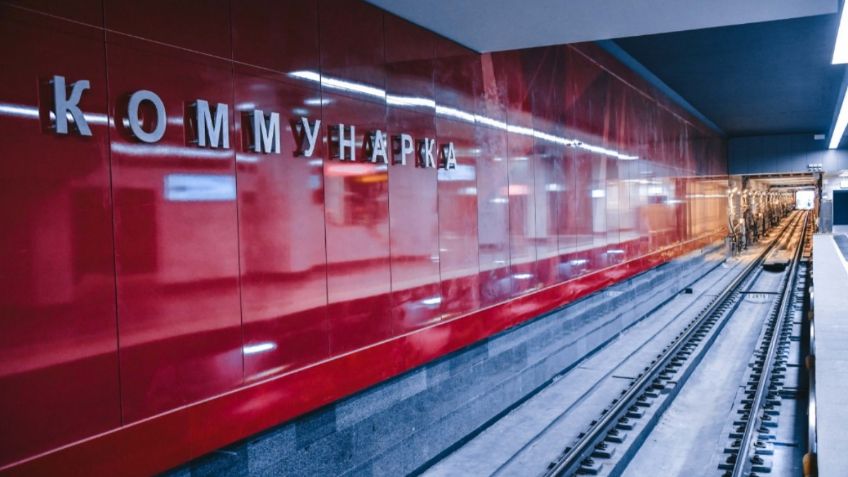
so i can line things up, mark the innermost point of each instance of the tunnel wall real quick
(164, 297)
(781, 154)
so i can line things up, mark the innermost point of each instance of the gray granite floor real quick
(842, 244)
(830, 281)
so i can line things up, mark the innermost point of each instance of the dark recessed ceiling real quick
(760, 78)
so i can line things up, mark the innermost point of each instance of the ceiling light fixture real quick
(841, 123)
(840, 52)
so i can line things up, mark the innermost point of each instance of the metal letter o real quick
(135, 125)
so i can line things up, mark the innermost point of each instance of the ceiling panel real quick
(497, 25)
(763, 78)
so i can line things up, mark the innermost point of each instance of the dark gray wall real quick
(781, 154)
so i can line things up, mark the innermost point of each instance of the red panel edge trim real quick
(167, 440)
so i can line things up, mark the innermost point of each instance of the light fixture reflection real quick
(199, 187)
(31, 112)
(259, 347)
(454, 113)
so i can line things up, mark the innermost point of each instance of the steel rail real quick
(812, 430)
(743, 463)
(809, 461)
(573, 458)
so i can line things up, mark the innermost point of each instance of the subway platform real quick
(830, 276)
(395, 237)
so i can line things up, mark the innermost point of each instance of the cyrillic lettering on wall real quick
(64, 104)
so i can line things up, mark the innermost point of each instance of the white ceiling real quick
(497, 25)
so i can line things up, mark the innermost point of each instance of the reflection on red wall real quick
(151, 289)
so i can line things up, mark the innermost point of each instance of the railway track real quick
(748, 452)
(613, 438)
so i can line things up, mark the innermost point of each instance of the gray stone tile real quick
(379, 398)
(270, 447)
(315, 425)
(329, 458)
(230, 461)
(468, 357)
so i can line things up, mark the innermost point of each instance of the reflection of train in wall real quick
(153, 288)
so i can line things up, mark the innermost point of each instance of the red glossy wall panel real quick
(175, 234)
(571, 264)
(85, 11)
(416, 292)
(493, 185)
(357, 199)
(614, 138)
(637, 174)
(58, 347)
(459, 262)
(254, 287)
(458, 83)
(521, 178)
(586, 90)
(547, 96)
(281, 230)
(493, 216)
(457, 80)
(549, 182)
(352, 44)
(413, 205)
(522, 216)
(357, 223)
(282, 36)
(192, 24)
(409, 44)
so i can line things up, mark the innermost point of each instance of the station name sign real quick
(209, 128)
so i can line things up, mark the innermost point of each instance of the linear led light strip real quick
(841, 123)
(840, 52)
(840, 56)
(344, 85)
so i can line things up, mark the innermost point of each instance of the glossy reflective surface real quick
(166, 299)
(281, 232)
(176, 249)
(58, 343)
